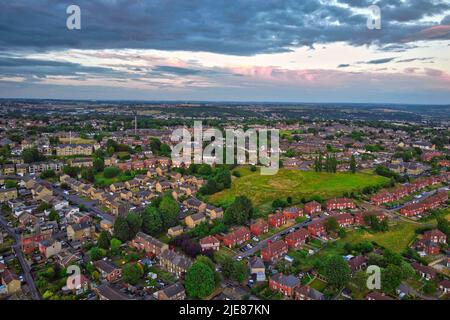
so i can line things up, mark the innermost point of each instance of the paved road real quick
(25, 267)
(263, 243)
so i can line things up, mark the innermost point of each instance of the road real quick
(263, 243)
(25, 267)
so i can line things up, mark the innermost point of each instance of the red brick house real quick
(276, 220)
(108, 270)
(284, 284)
(296, 238)
(236, 237)
(312, 207)
(429, 203)
(424, 271)
(209, 243)
(344, 220)
(150, 245)
(292, 213)
(274, 251)
(31, 242)
(435, 236)
(359, 217)
(259, 227)
(317, 228)
(339, 204)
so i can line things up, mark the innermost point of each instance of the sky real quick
(227, 50)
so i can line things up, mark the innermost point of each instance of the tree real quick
(337, 271)
(47, 174)
(88, 174)
(54, 216)
(104, 240)
(331, 225)
(169, 211)
(353, 164)
(30, 155)
(199, 280)
(239, 212)
(97, 253)
(151, 221)
(115, 245)
(391, 278)
(111, 172)
(132, 273)
(134, 221)
(121, 229)
(99, 164)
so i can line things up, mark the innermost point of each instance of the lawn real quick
(101, 181)
(262, 190)
(77, 140)
(397, 238)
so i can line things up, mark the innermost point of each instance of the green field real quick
(262, 190)
(397, 238)
(101, 181)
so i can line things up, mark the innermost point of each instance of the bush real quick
(111, 172)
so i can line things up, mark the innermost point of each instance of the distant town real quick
(92, 207)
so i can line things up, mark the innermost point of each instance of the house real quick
(194, 220)
(430, 203)
(106, 292)
(174, 262)
(377, 296)
(195, 205)
(259, 227)
(344, 220)
(444, 285)
(426, 272)
(427, 247)
(312, 207)
(317, 228)
(8, 194)
(11, 281)
(173, 292)
(132, 184)
(284, 284)
(213, 212)
(276, 220)
(108, 270)
(148, 244)
(307, 293)
(297, 238)
(81, 162)
(357, 263)
(41, 191)
(73, 149)
(49, 248)
(175, 231)
(360, 216)
(162, 186)
(116, 187)
(435, 236)
(258, 268)
(66, 258)
(30, 242)
(236, 237)
(339, 204)
(80, 232)
(274, 251)
(292, 213)
(209, 243)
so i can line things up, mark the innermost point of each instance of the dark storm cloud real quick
(222, 26)
(377, 61)
(34, 68)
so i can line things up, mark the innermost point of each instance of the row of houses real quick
(403, 191)
(430, 203)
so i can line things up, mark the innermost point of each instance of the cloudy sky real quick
(249, 50)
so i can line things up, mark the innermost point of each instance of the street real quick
(25, 267)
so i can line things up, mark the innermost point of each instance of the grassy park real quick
(262, 190)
